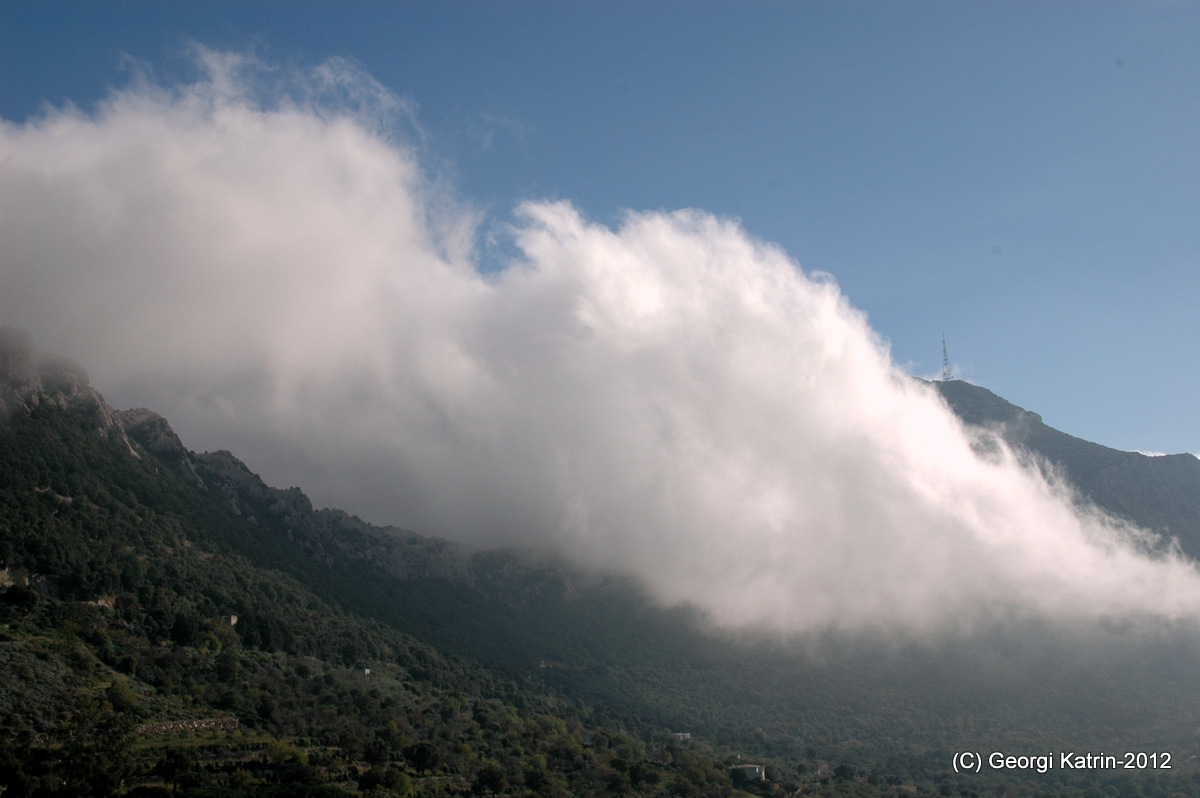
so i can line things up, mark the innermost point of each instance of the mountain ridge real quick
(319, 591)
(1159, 493)
(174, 627)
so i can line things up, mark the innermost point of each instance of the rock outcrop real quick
(155, 435)
(20, 382)
(27, 383)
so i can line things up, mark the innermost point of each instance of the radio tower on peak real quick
(947, 375)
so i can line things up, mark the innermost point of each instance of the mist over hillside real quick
(531, 400)
(1159, 493)
(260, 256)
(118, 537)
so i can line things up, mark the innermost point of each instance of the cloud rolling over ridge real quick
(669, 398)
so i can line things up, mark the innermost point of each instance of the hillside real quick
(1159, 493)
(126, 556)
(172, 626)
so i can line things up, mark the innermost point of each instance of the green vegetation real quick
(122, 673)
(370, 661)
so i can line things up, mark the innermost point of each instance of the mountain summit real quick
(26, 383)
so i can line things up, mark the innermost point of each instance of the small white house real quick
(749, 772)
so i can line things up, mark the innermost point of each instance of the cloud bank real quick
(262, 258)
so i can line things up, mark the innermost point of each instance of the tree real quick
(96, 749)
(175, 767)
(490, 779)
(423, 757)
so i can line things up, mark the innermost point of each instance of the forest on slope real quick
(368, 660)
(123, 670)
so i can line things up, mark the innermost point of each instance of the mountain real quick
(171, 624)
(1160, 493)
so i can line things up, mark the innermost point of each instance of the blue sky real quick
(1022, 177)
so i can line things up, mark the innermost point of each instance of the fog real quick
(263, 257)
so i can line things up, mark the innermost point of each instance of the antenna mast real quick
(947, 375)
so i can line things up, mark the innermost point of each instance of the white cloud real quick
(272, 270)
